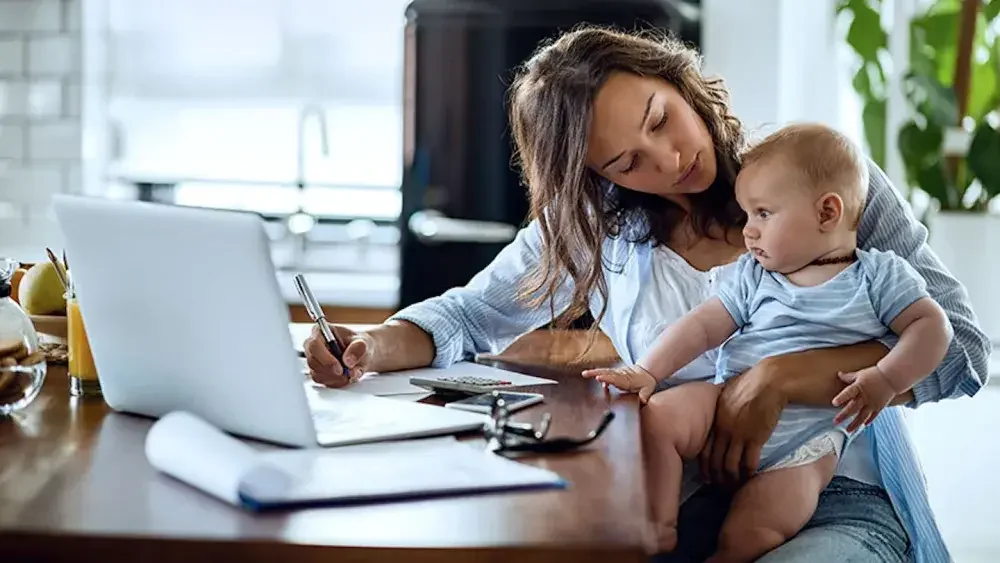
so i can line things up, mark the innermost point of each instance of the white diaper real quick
(815, 449)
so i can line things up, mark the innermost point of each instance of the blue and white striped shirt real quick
(775, 317)
(484, 316)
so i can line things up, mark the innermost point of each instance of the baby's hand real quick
(632, 379)
(866, 395)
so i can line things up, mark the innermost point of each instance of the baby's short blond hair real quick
(825, 159)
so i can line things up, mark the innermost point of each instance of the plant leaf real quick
(921, 54)
(919, 146)
(862, 81)
(855, 5)
(995, 55)
(944, 6)
(921, 61)
(906, 142)
(866, 35)
(934, 39)
(944, 62)
(984, 157)
(940, 29)
(873, 117)
(933, 180)
(935, 100)
(991, 10)
(983, 89)
(983, 82)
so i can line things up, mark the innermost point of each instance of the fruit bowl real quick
(50, 325)
(38, 289)
(19, 385)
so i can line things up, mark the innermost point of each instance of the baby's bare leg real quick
(771, 508)
(675, 425)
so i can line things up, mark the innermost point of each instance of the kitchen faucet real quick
(300, 223)
(307, 111)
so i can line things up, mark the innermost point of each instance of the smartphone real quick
(482, 403)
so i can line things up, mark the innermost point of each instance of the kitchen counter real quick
(374, 290)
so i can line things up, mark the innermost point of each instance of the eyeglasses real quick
(504, 436)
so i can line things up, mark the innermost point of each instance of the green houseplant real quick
(934, 98)
(950, 145)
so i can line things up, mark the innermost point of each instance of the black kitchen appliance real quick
(462, 200)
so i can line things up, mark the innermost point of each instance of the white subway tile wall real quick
(11, 143)
(73, 179)
(30, 15)
(72, 98)
(30, 185)
(13, 98)
(53, 55)
(40, 139)
(11, 56)
(72, 15)
(45, 98)
(54, 141)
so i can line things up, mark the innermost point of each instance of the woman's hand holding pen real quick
(323, 366)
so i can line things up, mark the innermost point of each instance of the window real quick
(210, 95)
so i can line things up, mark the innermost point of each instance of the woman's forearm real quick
(810, 377)
(399, 345)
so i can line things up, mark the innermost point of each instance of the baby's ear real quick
(829, 211)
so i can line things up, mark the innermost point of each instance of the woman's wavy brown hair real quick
(550, 110)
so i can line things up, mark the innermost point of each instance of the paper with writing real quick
(398, 382)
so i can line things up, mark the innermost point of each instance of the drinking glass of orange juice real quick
(82, 371)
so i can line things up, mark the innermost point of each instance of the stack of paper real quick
(191, 450)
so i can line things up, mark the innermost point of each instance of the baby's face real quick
(782, 230)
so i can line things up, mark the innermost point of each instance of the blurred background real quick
(372, 136)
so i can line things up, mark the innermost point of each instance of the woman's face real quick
(644, 136)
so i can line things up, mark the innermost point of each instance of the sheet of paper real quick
(385, 385)
(193, 451)
(300, 331)
(187, 448)
(397, 384)
(391, 470)
(392, 385)
(412, 397)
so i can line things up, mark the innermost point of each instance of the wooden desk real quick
(74, 484)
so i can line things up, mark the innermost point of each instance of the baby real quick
(804, 284)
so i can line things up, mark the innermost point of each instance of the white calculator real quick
(465, 385)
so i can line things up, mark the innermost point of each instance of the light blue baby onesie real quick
(776, 317)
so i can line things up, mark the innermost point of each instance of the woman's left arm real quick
(888, 224)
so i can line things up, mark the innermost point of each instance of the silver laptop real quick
(183, 310)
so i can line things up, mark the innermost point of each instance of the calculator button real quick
(478, 381)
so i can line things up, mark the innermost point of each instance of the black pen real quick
(317, 315)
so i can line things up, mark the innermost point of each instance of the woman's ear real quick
(830, 211)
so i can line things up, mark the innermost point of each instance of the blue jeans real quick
(854, 522)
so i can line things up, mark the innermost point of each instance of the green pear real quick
(41, 292)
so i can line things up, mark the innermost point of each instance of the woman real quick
(630, 155)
